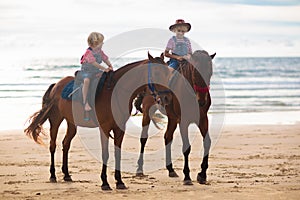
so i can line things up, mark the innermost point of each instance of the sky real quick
(234, 28)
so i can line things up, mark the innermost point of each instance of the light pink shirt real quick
(88, 56)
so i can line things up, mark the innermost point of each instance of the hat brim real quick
(188, 25)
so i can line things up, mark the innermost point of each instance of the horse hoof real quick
(173, 174)
(187, 182)
(201, 180)
(140, 174)
(68, 179)
(106, 187)
(121, 186)
(53, 180)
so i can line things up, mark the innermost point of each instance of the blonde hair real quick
(95, 39)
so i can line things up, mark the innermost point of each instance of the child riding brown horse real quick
(56, 109)
(197, 74)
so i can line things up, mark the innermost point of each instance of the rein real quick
(151, 86)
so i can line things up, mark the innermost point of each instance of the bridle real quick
(155, 92)
(201, 89)
(151, 85)
(198, 88)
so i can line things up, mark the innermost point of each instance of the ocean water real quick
(260, 84)
(239, 85)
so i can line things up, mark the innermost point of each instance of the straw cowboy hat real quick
(180, 22)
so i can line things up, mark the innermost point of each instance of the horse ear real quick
(150, 57)
(213, 55)
(162, 56)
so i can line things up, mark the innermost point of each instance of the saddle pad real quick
(68, 89)
(69, 92)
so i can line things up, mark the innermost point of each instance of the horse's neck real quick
(126, 85)
(186, 71)
(131, 77)
(121, 71)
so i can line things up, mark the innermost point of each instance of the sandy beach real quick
(254, 116)
(247, 162)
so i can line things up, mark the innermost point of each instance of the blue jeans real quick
(173, 63)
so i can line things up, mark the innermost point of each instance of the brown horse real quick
(56, 109)
(197, 74)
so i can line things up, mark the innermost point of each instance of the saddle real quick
(181, 64)
(73, 92)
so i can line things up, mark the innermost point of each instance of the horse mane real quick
(197, 70)
(119, 72)
(202, 62)
(112, 77)
(202, 58)
(186, 69)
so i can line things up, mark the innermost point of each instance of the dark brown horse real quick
(56, 109)
(192, 81)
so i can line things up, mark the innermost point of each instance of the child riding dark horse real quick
(197, 73)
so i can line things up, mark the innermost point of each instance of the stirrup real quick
(86, 116)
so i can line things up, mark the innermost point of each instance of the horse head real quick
(202, 74)
(159, 59)
(158, 77)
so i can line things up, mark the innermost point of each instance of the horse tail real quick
(154, 120)
(38, 118)
(138, 102)
(157, 119)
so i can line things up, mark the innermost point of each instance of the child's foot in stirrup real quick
(87, 108)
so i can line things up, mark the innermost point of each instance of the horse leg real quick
(54, 125)
(201, 177)
(172, 124)
(186, 149)
(143, 140)
(71, 132)
(105, 155)
(119, 134)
